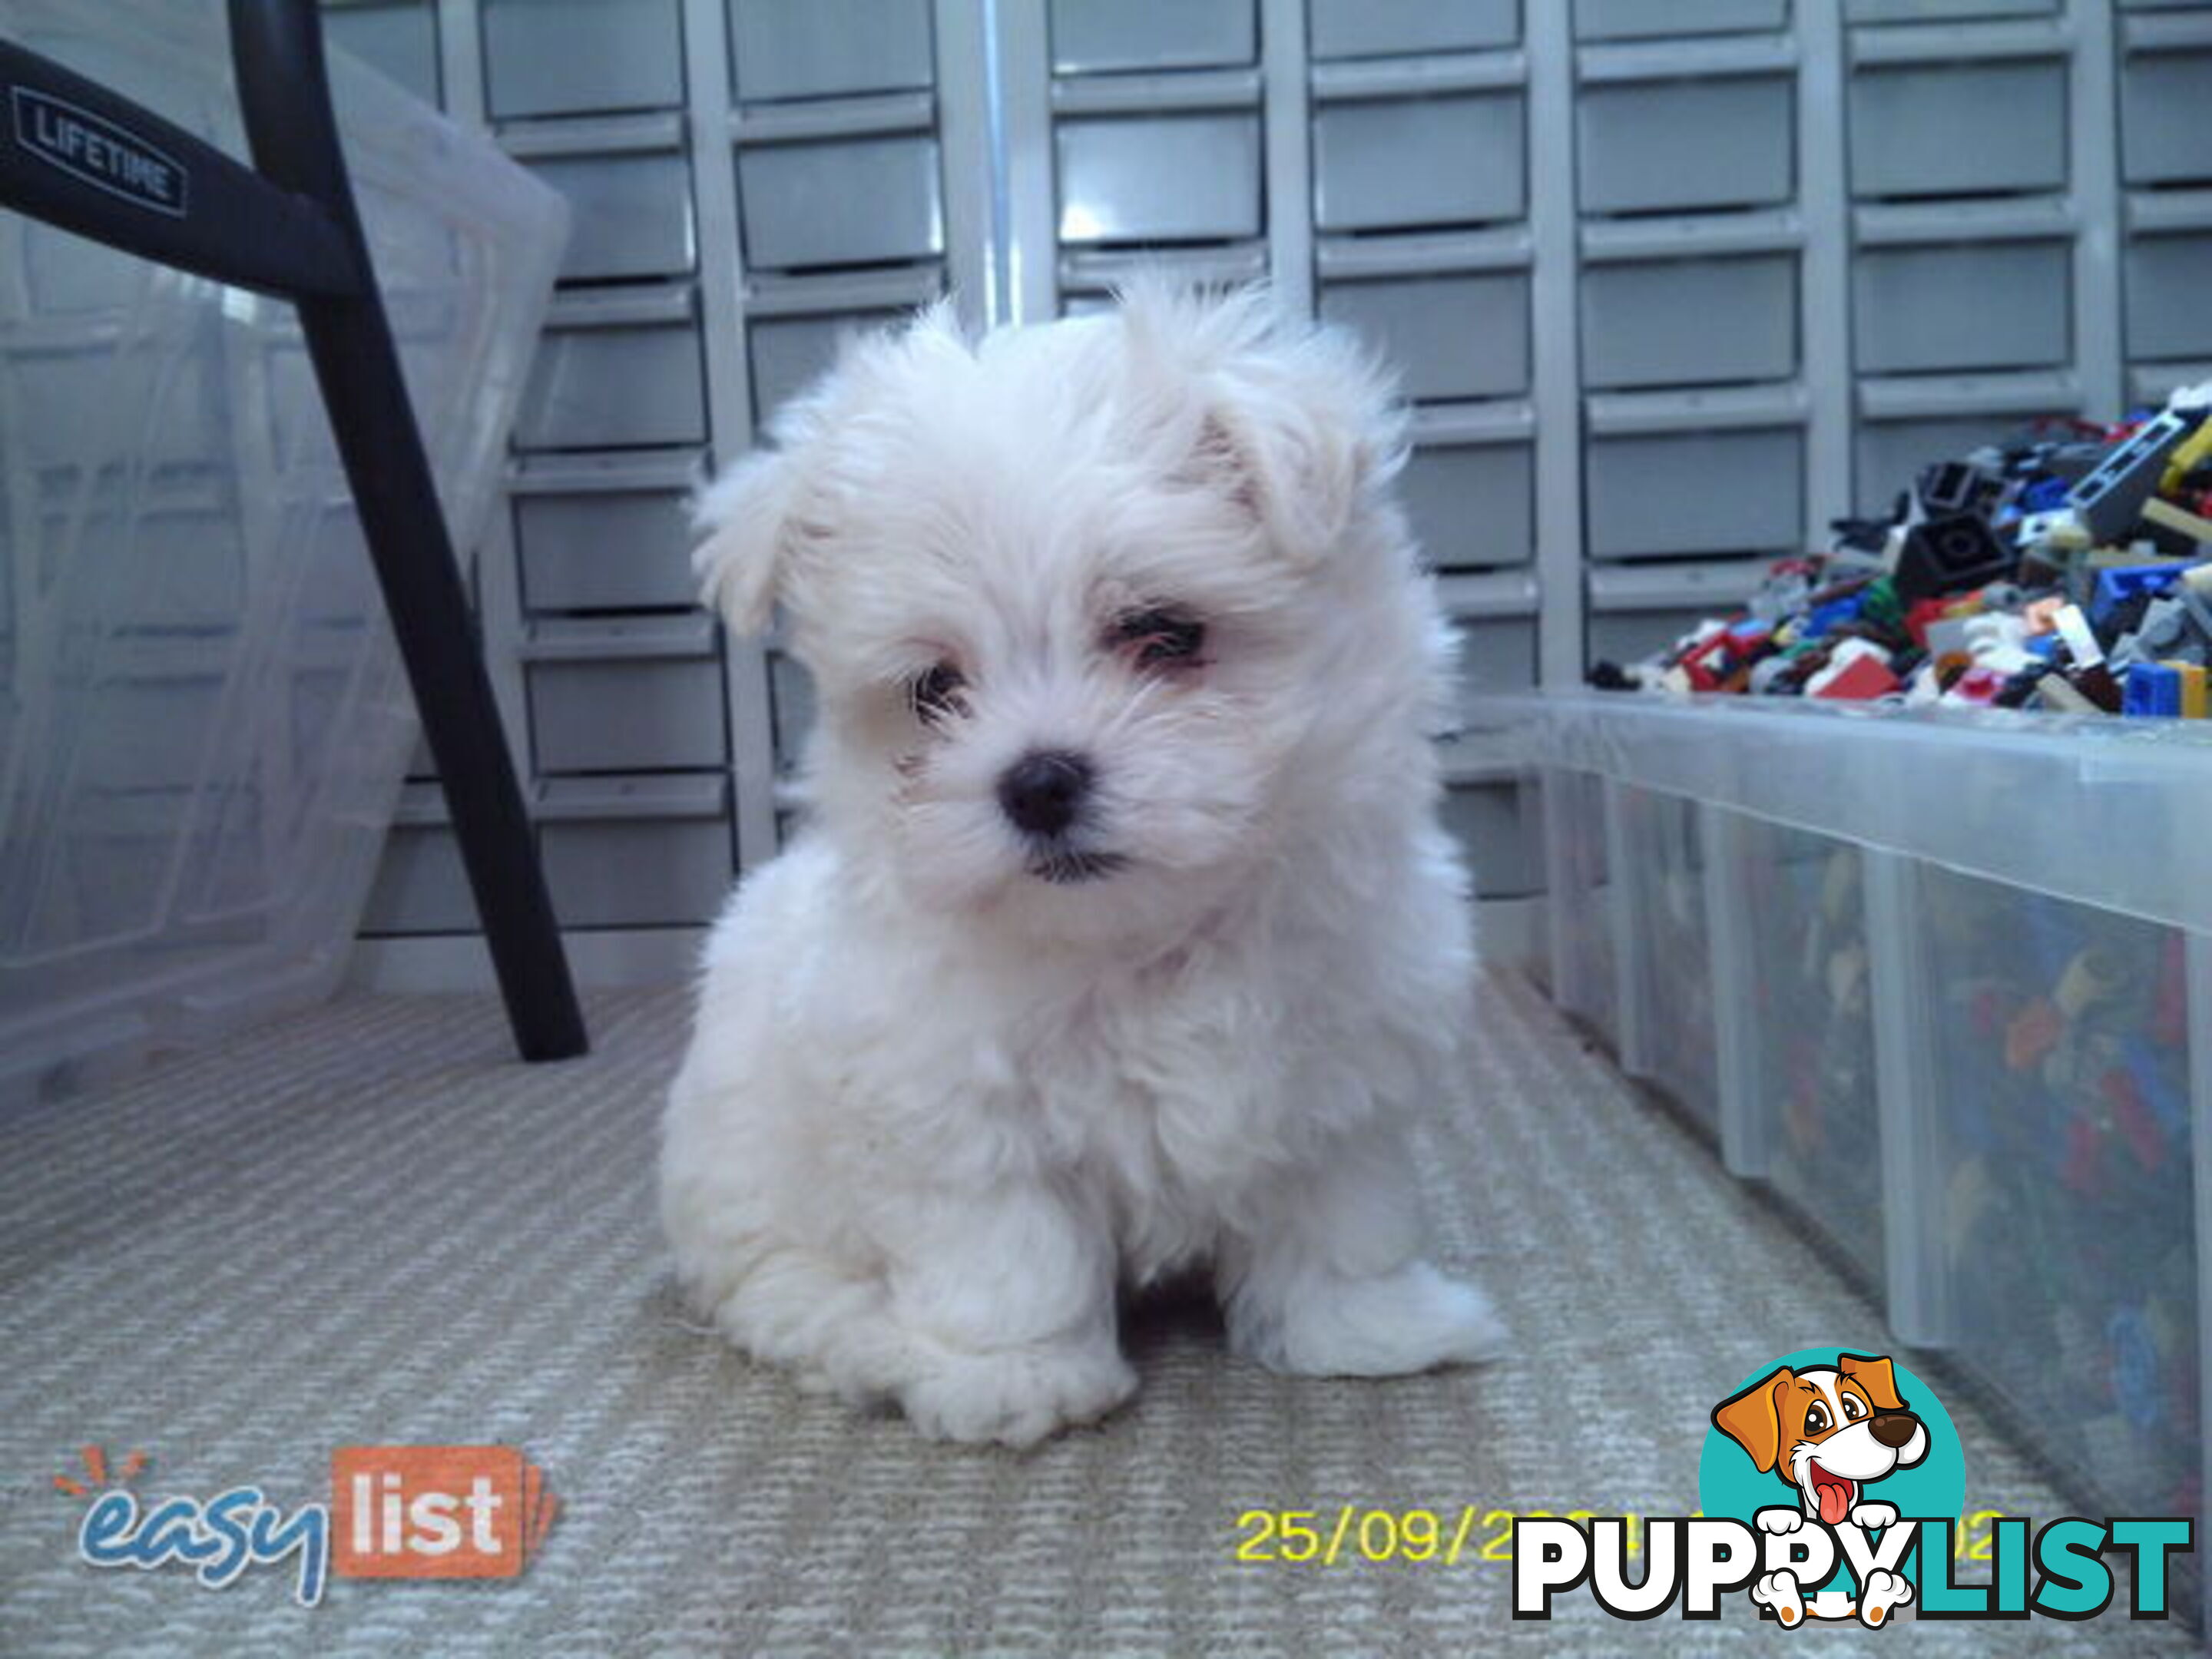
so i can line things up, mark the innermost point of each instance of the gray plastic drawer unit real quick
(421, 886)
(1969, 305)
(1907, 138)
(1457, 159)
(1093, 36)
(1689, 322)
(581, 57)
(1461, 334)
(1494, 838)
(1670, 146)
(632, 214)
(788, 49)
(587, 545)
(1389, 28)
(641, 696)
(1930, 11)
(1496, 653)
(2166, 136)
(791, 693)
(1471, 504)
(1670, 493)
(397, 38)
(862, 200)
(787, 353)
(2169, 313)
(1637, 19)
(635, 852)
(612, 372)
(1169, 177)
(1891, 454)
(1625, 636)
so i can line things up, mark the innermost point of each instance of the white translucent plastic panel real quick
(796, 49)
(1158, 178)
(845, 202)
(1672, 975)
(1408, 164)
(1579, 899)
(1965, 306)
(2067, 1249)
(208, 722)
(1812, 1027)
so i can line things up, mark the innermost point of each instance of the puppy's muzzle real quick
(1042, 792)
(1893, 1428)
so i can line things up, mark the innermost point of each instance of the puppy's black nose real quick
(1893, 1428)
(1042, 793)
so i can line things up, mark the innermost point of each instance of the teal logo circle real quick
(1730, 1483)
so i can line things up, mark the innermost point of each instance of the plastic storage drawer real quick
(1930, 11)
(1907, 139)
(1680, 493)
(581, 57)
(2164, 138)
(1387, 28)
(1493, 835)
(1672, 146)
(1095, 36)
(1963, 306)
(615, 371)
(791, 707)
(1635, 20)
(2066, 1255)
(1166, 178)
(1891, 453)
(2167, 313)
(1689, 322)
(1471, 504)
(617, 696)
(635, 852)
(397, 38)
(632, 214)
(786, 354)
(1470, 151)
(829, 48)
(1456, 335)
(1496, 653)
(594, 537)
(870, 199)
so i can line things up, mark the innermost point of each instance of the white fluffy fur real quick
(937, 1110)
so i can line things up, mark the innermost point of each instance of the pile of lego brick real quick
(2071, 570)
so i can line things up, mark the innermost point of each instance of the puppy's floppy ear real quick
(746, 516)
(1292, 422)
(1752, 1419)
(1873, 1373)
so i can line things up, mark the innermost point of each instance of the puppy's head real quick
(1826, 1431)
(1077, 597)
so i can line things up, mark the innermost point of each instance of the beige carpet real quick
(368, 1225)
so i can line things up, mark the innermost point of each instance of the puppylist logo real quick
(1831, 1484)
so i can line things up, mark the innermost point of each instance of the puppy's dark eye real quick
(1816, 1419)
(1159, 636)
(935, 692)
(1852, 1410)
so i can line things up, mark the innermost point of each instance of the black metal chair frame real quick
(287, 227)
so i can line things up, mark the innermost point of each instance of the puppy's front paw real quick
(1870, 1517)
(1412, 1320)
(1779, 1520)
(1016, 1397)
(1885, 1592)
(1779, 1590)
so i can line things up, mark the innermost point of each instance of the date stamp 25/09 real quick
(1377, 1535)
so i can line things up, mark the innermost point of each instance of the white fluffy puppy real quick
(1123, 938)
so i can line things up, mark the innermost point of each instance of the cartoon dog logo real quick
(1828, 1432)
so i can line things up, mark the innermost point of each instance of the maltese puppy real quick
(1122, 938)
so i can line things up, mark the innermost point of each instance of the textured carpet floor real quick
(368, 1225)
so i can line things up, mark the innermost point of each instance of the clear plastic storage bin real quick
(1955, 973)
(204, 721)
